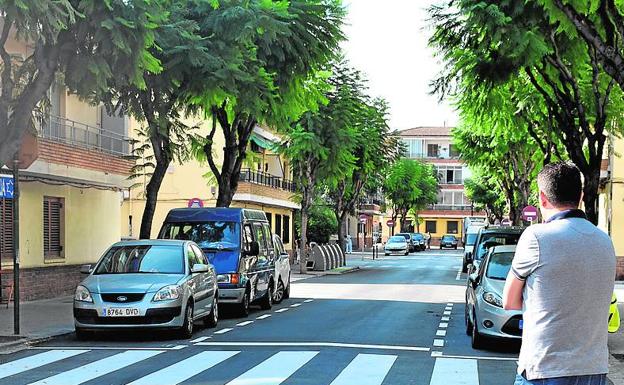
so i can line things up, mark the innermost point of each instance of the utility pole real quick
(16, 253)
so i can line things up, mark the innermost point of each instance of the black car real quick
(411, 245)
(449, 241)
(490, 236)
(419, 241)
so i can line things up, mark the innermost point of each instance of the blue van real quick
(238, 242)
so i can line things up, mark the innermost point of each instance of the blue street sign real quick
(6, 187)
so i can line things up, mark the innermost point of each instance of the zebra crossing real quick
(149, 367)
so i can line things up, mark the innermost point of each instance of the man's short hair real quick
(561, 183)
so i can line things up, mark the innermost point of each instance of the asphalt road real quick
(397, 321)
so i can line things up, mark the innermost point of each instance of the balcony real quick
(76, 134)
(450, 207)
(266, 179)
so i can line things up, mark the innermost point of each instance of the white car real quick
(397, 244)
(282, 271)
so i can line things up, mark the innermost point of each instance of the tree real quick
(322, 223)
(491, 43)
(276, 82)
(486, 195)
(89, 42)
(410, 184)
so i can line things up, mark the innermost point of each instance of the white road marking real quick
(200, 339)
(436, 354)
(443, 325)
(223, 331)
(295, 305)
(318, 344)
(445, 319)
(447, 312)
(185, 369)
(451, 371)
(179, 347)
(274, 370)
(437, 343)
(264, 316)
(441, 333)
(308, 300)
(366, 369)
(281, 310)
(35, 361)
(245, 323)
(450, 304)
(484, 358)
(98, 368)
(448, 308)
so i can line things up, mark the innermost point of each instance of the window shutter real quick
(52, 227)
(6, 228)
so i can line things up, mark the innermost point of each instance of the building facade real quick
(434, 145)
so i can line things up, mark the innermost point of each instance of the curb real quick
(343, 271)
(24, 342)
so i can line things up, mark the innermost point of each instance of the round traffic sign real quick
(390, 223)
(529, 213)
(195, 203)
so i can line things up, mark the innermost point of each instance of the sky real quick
(387, 40)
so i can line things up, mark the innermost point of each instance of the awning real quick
(262, 142)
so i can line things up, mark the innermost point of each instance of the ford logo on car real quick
(122, 298)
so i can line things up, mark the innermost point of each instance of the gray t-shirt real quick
(569, 268)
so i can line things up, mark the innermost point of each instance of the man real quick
(562, 276)
(349, 244)
(429, 240)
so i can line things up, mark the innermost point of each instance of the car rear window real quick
(489, 240)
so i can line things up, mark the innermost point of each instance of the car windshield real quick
(495, 239)
(471, 238)
(157, 259)
(208, 235)
(396, 239)
(418, 237)
(499, 265)
(448, 238)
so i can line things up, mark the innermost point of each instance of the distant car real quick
(282, 271)
(408, 237)
(470, 237)
(490, 236)
(449, 241)
(147, 284)
(396, 244)
(484, 313)
(419, 241)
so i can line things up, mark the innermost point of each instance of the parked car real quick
(472, 221)
(449, 241)
(490, 236)
(397, 244)
(408, 237)
(238, 242)
(419, 241)
(470, 236)
(282, 271)
(147, 284)
(484, 313)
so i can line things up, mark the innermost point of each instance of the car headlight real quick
(83, 295)
(228, 278)
(168, 293)
(493, 299)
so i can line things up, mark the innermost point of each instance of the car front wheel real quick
(278, 296)
(468, 322)
(266, 303)
(477, 338)
(186, 330)
(213, 318)
(243, 306)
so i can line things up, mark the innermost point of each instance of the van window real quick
(260, 238)
(267, 236)
(208, 235)
(247, 237)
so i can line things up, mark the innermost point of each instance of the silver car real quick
(162, 284)
(396, 244)
(484, 311)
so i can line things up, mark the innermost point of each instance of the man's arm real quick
(512, 294)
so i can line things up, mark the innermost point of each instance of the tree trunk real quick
(303, 268)
(590, 195)
(417, 222)
(342, 233)
(153, 187)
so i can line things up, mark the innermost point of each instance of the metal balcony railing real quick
(449, 207)
(266, 179)
(82, 135)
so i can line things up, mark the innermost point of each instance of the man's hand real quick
(512, 294)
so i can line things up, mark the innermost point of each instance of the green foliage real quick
(322, 222)
(486, 195)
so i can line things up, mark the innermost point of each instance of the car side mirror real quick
(200, 268)
(254, 249)
(474, 279)
(469, 256)
(85, 269)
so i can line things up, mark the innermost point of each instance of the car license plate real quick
(120, 312)
(521, 324)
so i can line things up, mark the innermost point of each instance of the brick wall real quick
(61, 153)
(619, 275)
(46, 282)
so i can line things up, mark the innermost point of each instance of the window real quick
(191, 257)
(53, 227)
(267, 236)
(270, 219)
(278, 225)
(247, 237)
(260, 238)
(286, 230)
(6, 228)
(450, 174)
(452, 227)
(146, 259)
(200, 255)
(430, 226)
(453, 151)
(433, 150)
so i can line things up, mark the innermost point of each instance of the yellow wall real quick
(91, 223)
(617, 197)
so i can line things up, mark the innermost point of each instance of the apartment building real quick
(434, 145)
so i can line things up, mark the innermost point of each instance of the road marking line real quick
(486, 358)
(443, 325)
(454, 371)
(447, 312)
(200, 339)
(445, 318)
(308, 300)
(281, 310)
(366, 369)
(450, 304)
(437, 343)
(274, 370)
(245, 323)
(98, 368)
(448, 308)
(185, 369)
(436, 353)
(441, 333)
(36, 360)
(295, 305)
(223, 331)
(318, 344)
(264, 316)
(179, 347)
(99, 348)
